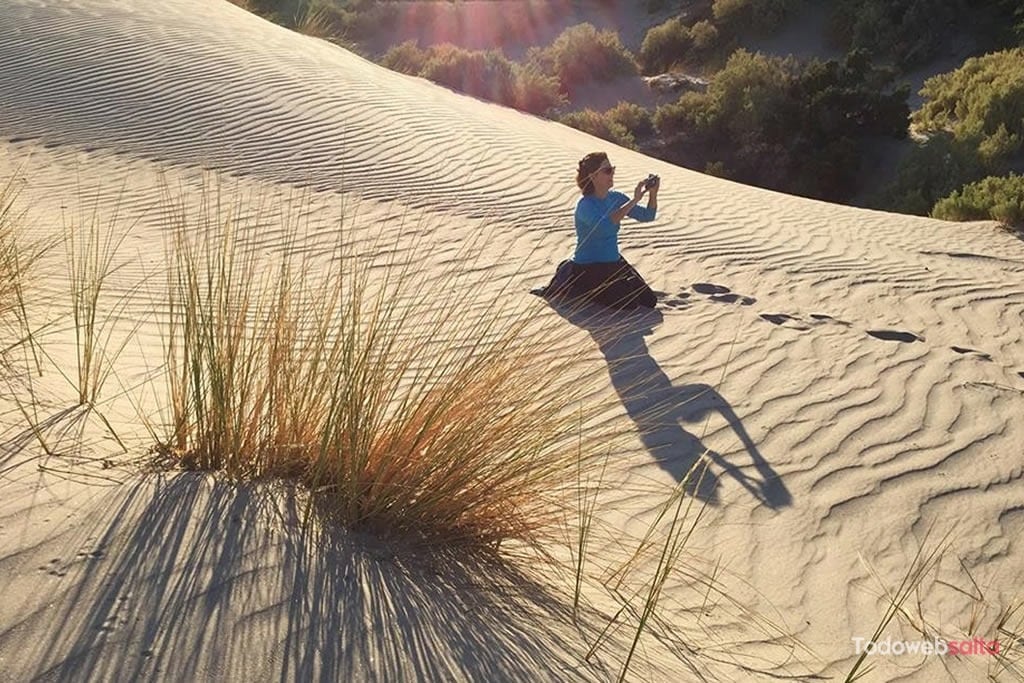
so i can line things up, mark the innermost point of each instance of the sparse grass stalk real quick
(1009, 628)
(33, 423)
(91, 250)
(676, 538)
(924, 560)
(678, 535)
(11, 270)
(587, 492)
(403, 409)
(18, 259)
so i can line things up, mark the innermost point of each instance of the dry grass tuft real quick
(405, 409)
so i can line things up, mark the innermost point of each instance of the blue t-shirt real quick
(597, 237)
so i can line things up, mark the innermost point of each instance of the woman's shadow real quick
(658, 408)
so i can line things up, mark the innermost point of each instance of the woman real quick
(597, 269)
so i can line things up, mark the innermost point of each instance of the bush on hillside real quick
(981, 103)
(1010, 31)
(752, 15)
(634, 118)
(931, 171)
(600, 125)
(786, 125)
(665, 45)
(582, 54)
(406, 57)
(913, 31)
(992, 198)
(623, 124)
(488, 75)
(706, 39)
(536, 92)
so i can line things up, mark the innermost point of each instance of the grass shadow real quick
(191, 578)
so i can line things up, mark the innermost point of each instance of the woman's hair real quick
(587, 168)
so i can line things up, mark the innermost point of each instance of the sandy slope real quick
(808, 347)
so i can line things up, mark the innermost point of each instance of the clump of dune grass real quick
(404, 408)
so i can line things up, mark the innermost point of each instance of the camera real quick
(651, 181)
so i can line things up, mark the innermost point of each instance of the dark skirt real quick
(615, 284)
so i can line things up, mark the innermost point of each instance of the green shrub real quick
(406, 57)
(622, 124)
(910, 31)
(914, 31)
(634, 118)
(786, 125)
(536, 92)
(684, 116)
(706, 37)
(600, 125)
(931, 171)
(488, 75)
(751, 15)
(998, 198)
(973, 120)
(665, 45)
(981, 103)
(582, 54)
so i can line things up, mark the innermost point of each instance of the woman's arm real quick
(652, 198)
(620, 213)
(650, 212)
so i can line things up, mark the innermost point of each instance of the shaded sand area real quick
(853, 378)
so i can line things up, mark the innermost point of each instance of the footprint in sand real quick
(722, 294)
(795, 323)
(681, 300)
(980, 355)
(822, 318)
(53, 568)
(895, 335)
(785, 320)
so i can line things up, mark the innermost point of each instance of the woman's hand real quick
(638, 193)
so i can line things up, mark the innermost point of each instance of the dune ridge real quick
(855, 374)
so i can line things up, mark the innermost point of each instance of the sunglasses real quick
(607, 169)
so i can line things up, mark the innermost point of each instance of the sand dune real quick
(855, 377)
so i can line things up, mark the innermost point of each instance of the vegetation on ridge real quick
(814, 127)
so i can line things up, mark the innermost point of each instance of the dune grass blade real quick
(587, 493)
(18, 260)
(11, 271)
(91, 248)
(402, 411)
(924, 560)
(678, 507)
(678, 535)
